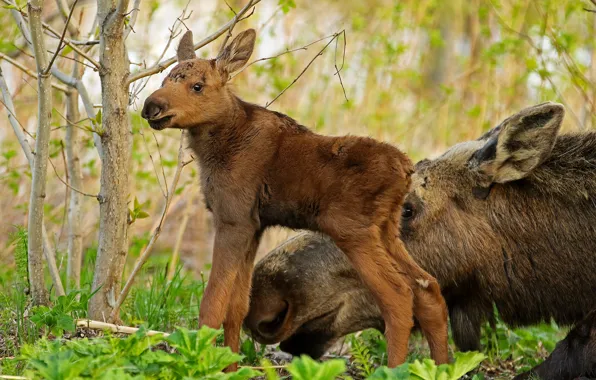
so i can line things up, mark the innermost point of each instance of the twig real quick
(68, 185)
(145, 255)
(305, 47)
(97, 325)
(231, 28)
(173, 34)
(153, 164)
(343, 61)
(22, 26)
(29, 72)
(133, 18)
(163, 172)
(179, 236)
(63, 9)
(47, 70)
(161, 66)
(334, 36)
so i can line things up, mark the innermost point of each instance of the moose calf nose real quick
(151, 109)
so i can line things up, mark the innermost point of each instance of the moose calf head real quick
(195, 92)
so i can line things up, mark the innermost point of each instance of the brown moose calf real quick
(260, 168)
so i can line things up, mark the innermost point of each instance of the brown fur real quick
(260, 168)
(506, 220)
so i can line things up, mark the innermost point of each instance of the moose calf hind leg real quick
(391, 291)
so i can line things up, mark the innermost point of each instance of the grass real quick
(42, 342)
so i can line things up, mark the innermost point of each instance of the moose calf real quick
(507, 219)
(260, 168)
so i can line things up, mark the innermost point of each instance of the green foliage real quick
(305, 368)
(361, 357)
(134, 357)
(19, 238)
(137, 211)
(61, 317)
(165, 304)
(528, 346)
(428, 370)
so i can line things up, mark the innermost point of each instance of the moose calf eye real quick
(197, 87)
(407, 211)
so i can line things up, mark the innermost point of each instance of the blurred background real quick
(422, 75)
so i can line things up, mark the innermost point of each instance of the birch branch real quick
(161, 66)
(97, 325)
(64, 78)
(133, 18)
(21, 22)
(18, 65)
(23, 141)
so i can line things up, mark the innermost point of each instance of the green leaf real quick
(142, 215)
(465, 362)
(398, 373)
(305, 368)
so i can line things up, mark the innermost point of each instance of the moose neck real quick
(215, 142)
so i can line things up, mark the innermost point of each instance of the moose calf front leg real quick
(229, 283)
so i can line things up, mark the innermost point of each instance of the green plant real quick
(136, 356)
(61, 317)
(305, 368)
(463, 363)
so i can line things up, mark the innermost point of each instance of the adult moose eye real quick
(197, 87)
(407, 211)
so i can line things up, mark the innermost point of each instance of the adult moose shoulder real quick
(261, 168)
(508, 219)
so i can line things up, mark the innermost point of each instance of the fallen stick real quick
(96, 325)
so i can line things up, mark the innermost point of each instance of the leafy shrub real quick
(136, 357)
(463, 363)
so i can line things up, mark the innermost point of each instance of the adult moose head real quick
(507, 219)
(260, 168)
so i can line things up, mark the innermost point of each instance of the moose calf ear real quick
(186, 48)
(521, 143)
(235, 55)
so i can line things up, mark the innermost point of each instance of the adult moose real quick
(261, 168)
(508, 219)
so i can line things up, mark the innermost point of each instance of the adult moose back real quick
(508, 219)
(260, 168)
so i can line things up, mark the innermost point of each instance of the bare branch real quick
(63, 9)
(4, 57)
(18, 16)
(229, 34)
(97, 325)
(68, 185)
(305, 47)
(47, 70)
(145, 255)
(343, 61)
(133, 18)
(40, 163)
(334, 36)
(161, 66)
(18, 130)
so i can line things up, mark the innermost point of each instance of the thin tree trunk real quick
(73, 162)
(115, 141)
(39, 294)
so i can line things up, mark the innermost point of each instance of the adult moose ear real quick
(520, 144)
(186, 49)
(236, 54)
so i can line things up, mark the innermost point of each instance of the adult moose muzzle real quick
(261, 168)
